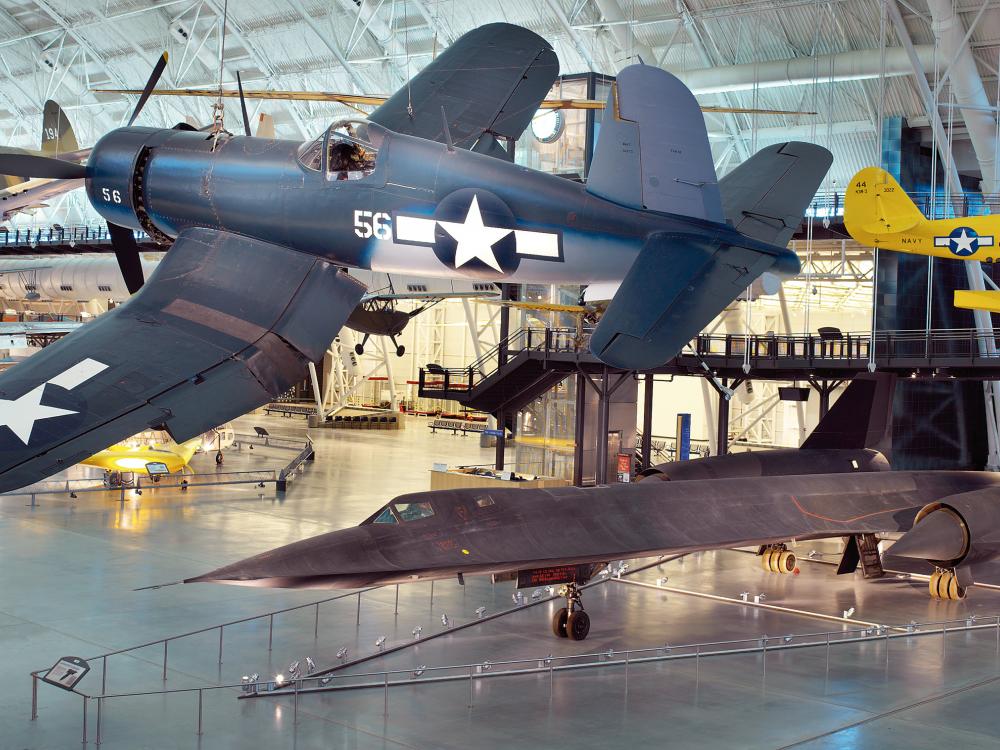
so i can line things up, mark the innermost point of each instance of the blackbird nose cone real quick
(939, 535)
(319, 561)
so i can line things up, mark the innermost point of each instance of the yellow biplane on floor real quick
(879, 213)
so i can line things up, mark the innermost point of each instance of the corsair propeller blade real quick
(30, 165)
(154, 78)
(127, 253)
(243, 106)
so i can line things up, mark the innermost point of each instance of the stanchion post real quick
(104, 675)
(165, 642)
(627, 656)
(34, 691)
(220, 643)
(396, 612)
(270, 631)
(85, 699)
(432, 594)
(470, 687)
(316, 625)
(97, 734)
(763, 661)
(359, 609)
(385, 698)
(199, 712)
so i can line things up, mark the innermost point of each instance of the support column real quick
(507, 293)
(824, 399)
(501, 439)
(603, 410)
(579, 428)
(723, 428)
(647, 422)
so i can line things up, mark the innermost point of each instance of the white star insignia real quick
(475, 240)
(963, 243)
(21, 414)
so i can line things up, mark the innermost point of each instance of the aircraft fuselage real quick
(423, 210)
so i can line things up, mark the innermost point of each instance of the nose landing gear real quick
(571, 621)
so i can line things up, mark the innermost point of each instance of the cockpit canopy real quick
(351, 151)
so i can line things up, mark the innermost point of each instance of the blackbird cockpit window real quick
(413, 511)
(352, 150)
(385, 516)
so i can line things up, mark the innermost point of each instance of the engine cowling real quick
(958, 530)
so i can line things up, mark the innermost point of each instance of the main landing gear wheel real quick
(578, 625)
(400, 350)
(944, 585)
(571, 621)
(777, 560)
(559, 622)
(358, 349)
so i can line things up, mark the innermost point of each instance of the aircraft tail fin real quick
(57, 133)
(861, 417)
(653, 151)
(766, 196)
(875, 206)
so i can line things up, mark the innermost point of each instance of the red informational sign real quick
(624, 467)
(554, 575)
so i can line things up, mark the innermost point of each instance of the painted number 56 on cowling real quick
(373, 224)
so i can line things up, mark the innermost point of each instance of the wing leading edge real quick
(193, 349)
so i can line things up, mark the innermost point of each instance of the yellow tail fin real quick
(875, 206)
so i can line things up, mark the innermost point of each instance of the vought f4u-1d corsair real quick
(259, 229)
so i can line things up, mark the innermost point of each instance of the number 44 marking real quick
(368, 224)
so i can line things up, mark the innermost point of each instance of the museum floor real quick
(70, 567)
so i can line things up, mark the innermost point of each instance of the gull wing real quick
(198, 345)
(490, 82)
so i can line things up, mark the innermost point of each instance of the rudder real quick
(653, 151)
(875, 205)
(57, 133)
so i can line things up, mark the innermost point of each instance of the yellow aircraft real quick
(155, 446)
(879, 213)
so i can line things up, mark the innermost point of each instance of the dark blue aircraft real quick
(260, 230)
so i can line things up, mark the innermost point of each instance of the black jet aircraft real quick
(259, 229)
(838, 485)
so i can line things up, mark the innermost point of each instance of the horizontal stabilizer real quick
(190, 351)
(676, 286)
(766, 196)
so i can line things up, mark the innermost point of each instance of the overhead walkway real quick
(532, 360)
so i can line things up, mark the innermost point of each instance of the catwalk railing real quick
(58, 235)
(896, 349)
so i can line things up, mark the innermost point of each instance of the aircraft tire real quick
(765, 559)
(559, 620)
(786, 562)
(400, 350)
(954, 590)
(358, 349)
(578, 625)
(932, 585)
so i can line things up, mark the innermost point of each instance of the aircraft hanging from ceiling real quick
(879, 213)
(838, 484)
(252, 289)
(58, 140)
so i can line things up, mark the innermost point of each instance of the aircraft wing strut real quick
(193, 349)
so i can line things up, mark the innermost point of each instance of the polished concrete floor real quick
(70, 568)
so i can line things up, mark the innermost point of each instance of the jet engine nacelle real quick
(115, 171)
(958, 530)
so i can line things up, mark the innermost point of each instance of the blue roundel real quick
(963, 241)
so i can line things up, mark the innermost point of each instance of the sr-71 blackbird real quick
(259, 229)
(837, 485)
